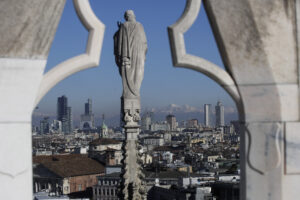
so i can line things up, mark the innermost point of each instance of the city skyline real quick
(181, 112)
(163, 84)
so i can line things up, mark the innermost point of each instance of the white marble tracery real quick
(23, 57)
(262, 78)
(183, 59)
(90, 58)
(257, 44)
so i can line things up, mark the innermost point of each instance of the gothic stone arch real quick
(258, 41)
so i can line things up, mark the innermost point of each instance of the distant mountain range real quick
(181, 112)
(185, 112)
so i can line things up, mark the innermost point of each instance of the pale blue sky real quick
(163, 84)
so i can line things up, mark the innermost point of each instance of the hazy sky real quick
(163, 84)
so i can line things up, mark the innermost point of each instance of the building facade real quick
(64, 114)
(207, 115)
(106, 151)
(159, 127)
(44, 126)
(146, 121)
(65, 174)
(192, 123)
(220, 120)
(107, 187)
(87, 121)
(171, 120)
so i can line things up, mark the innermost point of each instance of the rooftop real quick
(168, 174)
(104, 141)
(70, 165)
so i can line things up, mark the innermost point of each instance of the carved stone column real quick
(27, 29)
(132, 175)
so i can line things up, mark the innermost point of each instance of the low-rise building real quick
(159, 127)
(153, 141)
(107, 187)
(163, 193)
(102, 144)
(107, 151)
(65, 174)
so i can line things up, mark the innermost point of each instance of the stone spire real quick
(130, 59)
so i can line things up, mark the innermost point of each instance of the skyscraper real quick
(87, 119)
(207, 115)
(171, 120)
(44, 126)
(146, 121)
(64, 114)
(69, 121)
(88, 107)
(219, 114)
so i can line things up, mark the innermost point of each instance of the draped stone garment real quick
(130, 47)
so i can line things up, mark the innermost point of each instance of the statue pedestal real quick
(132, 184)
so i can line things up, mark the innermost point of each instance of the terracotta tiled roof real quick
(104, 141)
(70, 165)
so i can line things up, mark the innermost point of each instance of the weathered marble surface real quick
(27, 30)
(265, 144)
(270, 102)
(19, 83)
(28, 27)
(258, 41)
(16, 161)
(130, 51)
(292, 148)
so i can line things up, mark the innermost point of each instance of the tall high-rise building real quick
(146, 121)
(207, 115)
(88, 107)
(171, 120)
(219, 114)
(87, 121)
(69, 121)
(44, 126)
(64, 114)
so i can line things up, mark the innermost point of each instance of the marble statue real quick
(130, 47)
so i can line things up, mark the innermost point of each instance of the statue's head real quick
(129, 15)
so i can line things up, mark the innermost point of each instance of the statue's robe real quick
(130, 42)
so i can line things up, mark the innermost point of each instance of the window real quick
(79, 187)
